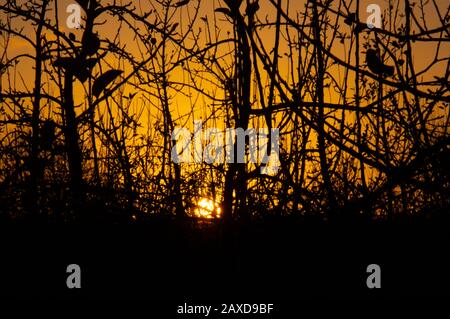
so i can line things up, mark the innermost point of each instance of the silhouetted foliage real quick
(358, 137)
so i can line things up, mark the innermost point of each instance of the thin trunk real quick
(324, 168)
(236, 176)
(73, 148)
(357, 104)
(36, 170)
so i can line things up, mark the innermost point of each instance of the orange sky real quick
(201, 105)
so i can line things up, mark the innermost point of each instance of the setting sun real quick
(206, 208)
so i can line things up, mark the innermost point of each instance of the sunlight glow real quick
(206, 208)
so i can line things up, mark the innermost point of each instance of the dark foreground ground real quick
(278, 260)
